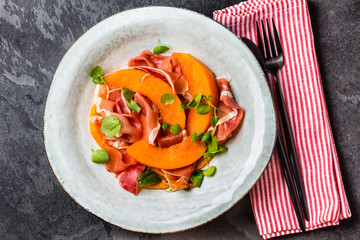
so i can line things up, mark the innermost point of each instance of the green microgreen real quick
(100, 156)
(134, 106)
(160, 49)
(175, 129)
(110, 126)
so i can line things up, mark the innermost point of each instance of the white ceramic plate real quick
(110, 44)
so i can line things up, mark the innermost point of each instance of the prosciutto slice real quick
(152, 119)
(171, 139)
(179, 178)
(128, 179)
(131, 128)
(164, 67)
(121, 102)
(230, 115)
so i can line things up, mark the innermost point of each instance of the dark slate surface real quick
(34, 37)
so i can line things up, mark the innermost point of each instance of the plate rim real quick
(263, 77)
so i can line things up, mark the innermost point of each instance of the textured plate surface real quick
(110, 44)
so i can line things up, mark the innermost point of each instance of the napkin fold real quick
(304, 98)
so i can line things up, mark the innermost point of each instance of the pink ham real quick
(121, 101)
(179, 178)
(147, 58)
(225, 93)
(131, 128)
(171, 139)
(164, 67)
(128, 179)
(152, 119)
(126, 157)
(230, 115)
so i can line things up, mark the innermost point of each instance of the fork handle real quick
(293, 154)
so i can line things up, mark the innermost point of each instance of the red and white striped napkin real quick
(304, 97)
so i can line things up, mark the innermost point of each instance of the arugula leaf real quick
(194, 137)
(165, 126)
(128, 94)
(210, 171)
(134, 106)
(213, 146)
(200, 135)
(214, 120)
(197, 178)
(176, 129)
(100, 156)
(206, 138)
(110, 126)
(202, 108)
(148, 178)
(160, 49)
(97, 75)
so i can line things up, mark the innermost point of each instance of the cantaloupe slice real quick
(115, 163)
(177, 156)
(201, 80)
(151, 87)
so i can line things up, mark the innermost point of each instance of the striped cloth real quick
(304, 97)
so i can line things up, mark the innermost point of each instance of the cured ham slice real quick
(131, 128)
(164, 67)
(152, 119)
(119, 98)
(179, 178)
(147, 58)
(171, 139)
(230, 115)
(129, 178)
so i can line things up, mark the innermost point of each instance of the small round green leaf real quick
(96, 72)
(160, 49)
(128, 94)
(110, 126)
(165, 126)
(176, 129)
(203, 108)
(210, 171)
(223, 149)
(214, 120)
(100, 156)
(194, 137)
(206, 138)
(148, 178)
(197, 178)
(198, 98)
(134, 106)
(167, 98)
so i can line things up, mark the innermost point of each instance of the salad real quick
(161, 121)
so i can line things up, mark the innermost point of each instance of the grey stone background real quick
(34, 37)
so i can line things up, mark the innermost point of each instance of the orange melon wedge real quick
(201, 80)
(177, 156)
(151, 87)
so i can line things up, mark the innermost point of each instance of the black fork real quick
(274, 60)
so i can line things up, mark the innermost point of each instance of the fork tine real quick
(272, 46)
(266, 41)
(277, 39)
(259, 41)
